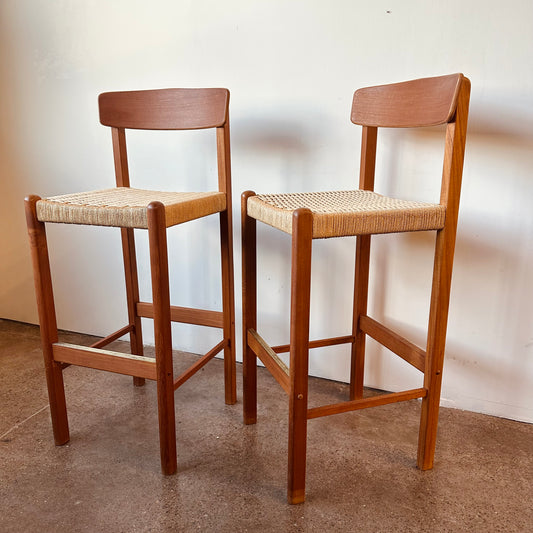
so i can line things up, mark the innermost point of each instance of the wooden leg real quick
(249, 310)
(438, 319)
(362, 260)
(302, 231)
(228, 306)
(163, 336)
(132, 294)
(47, 320)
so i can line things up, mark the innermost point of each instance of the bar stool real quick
(131, 209)
(307, 216)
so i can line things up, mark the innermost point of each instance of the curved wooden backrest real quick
(164, 109)
(423, 102)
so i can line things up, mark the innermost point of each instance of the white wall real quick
(292, 67)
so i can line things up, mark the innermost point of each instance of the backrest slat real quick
(416, 103)
(165, 109)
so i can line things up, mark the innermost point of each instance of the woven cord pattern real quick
(343, 213)
(126, 207)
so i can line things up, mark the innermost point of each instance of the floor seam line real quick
(16, 426)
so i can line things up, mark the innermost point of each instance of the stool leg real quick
(132, 294)
(438, 318)
(362, 259)
(249, 310)
(228, 306)
(47, 321)
(163, 336)
(302, 234)
(226, 248)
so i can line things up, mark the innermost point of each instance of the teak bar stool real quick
(129, 209)
(308, 216)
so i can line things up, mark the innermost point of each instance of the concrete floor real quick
(231, 478)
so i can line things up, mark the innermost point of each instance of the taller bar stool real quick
(307, 216)
(133, 209)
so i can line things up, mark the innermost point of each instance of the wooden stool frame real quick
(165, 109)
(371, 112)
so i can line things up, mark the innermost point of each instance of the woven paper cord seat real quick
(343, 213)
(125, 207)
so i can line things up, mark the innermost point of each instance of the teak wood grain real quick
(272, 362)
(157, 238)
(319, 343)
(122, 178)
(249, 309)
(182, 378)
(364, 403)
(416, 103)
(408, 351)
(113, 337)
(226, 259)
(47, 320)
(186, 315)
(302, 241)
(367, 171)
(442, 276)
(164, 109)
(90, 357)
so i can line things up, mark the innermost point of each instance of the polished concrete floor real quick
(361, 473)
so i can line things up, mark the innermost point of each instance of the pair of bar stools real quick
(304, 216)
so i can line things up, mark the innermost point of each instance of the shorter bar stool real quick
(134, 209)
(361, 213)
